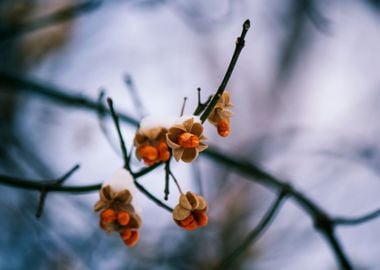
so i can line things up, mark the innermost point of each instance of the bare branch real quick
(101, 117)
(59, 16)
(139, 106)
(201, 106)
(240, 42)
(117, 125)
(45, 189)
(15, 82)
(341, 221)
(255, 233)
(183, 106)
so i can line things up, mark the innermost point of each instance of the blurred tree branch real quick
(62, 15)
(256, 232)
(356, 220)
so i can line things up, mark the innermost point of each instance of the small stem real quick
(201, 106)
(46, 188)
(198, 176)
(67, 175)
(102, 113)
(199, 96)
(240, 42)
(176, 182)
(357, 220)
(166, 190)
(41, 203)
(117, 124)
(135, 96)
(152, 197)
(183, 106)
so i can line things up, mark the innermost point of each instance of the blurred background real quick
(306, 91)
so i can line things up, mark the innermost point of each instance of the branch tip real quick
(247, 24)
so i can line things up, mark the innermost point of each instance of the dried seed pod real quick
(180, 213)
(202, 206)
(184, 202)
(193, 199)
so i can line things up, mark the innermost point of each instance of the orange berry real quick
(164, 154)
(148, 153)
(123, 218)
(191, 226)
(187, 221)
(107, 216)
(133, 239)
(188, 140)
(223, 128)
(201, 218)
(126, 234)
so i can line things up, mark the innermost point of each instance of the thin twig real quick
(64, 14)
(101, 117)
(254, 234)
(341, 221)
(201, 106)
(175, 181)
(240, 42)
(13, 82)
(117, 125)
(183, 106)
(166, 189)
(45, 189)
(198, 176)
(139, 106)
(152, 197)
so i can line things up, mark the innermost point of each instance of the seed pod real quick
(193, 199)
(184, 202)
(180, 213)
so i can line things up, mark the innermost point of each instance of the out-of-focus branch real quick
(240, 42)
(139, 105)
(115, 118)
(59, 16)
(101, 117)
(341, 221)
(255, 233)
(14, 82)
(44, 190)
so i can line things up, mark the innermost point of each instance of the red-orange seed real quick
(125, 235)
(148, 153)
(107, 216)
(201, 218)
(188, 140)
(123, 218)
(164, 154)
(133, 239)
(223, 128)
(187, 221)
(191, 226)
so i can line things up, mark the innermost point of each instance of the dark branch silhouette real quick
(254, 234)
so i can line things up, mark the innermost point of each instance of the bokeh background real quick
(306, 91)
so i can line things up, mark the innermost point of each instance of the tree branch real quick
(115, 118)
(139, 107)
(59, 16)
(239, 46)
(255, 233)
(356, 220)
